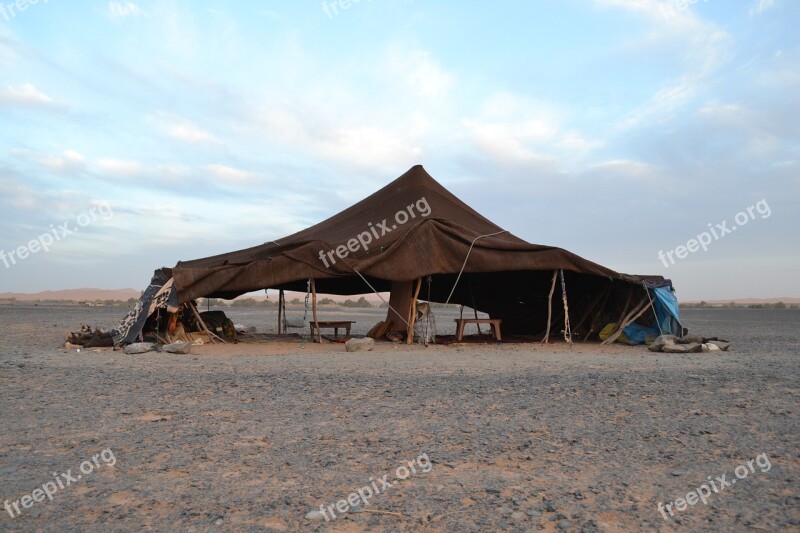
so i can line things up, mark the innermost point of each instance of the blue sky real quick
(171, 130)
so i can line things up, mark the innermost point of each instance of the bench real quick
(332, 324)
(493, 322)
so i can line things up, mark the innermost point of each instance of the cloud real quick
(118, 167)
(182, 129)
(26, 94)
(760, 7)
(231, 175)
(124, 9)
(69, 160)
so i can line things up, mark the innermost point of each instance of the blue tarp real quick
(666, 305)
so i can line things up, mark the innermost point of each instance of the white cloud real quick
(26, 94)
(760, 7)
(231, 175)
(182, 129)
(123, 9)
(119, 167)
(419, 72)
(69, 160)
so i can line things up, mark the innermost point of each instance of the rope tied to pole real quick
(567, 330)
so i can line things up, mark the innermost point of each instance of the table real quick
(493, 322)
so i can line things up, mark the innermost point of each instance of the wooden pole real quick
(280, 312)
(314, 310)
(211, 334)
(550, 307)
(412, 315)
(644, 307)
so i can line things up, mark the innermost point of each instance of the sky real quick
(635, 133)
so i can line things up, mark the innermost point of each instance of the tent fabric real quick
(410, 229)
(160, 293)
(667, 312)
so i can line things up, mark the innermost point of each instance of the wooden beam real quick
(550, 307)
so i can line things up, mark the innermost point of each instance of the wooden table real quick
(335, 324)
(493, 322)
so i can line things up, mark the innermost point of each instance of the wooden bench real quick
(333, 324)
(493, 322)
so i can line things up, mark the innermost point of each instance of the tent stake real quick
(550, 307)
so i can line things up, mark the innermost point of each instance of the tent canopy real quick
(410, 229)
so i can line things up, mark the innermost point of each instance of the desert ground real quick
(465, 437)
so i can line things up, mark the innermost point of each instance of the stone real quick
(675, 348)
(139, 347)
(690, 339)
(315, 516)
(360, 345)
(178, 347)
(694, 347)
(720, 344)
(662, 340)
(516, 515)
(712, 347)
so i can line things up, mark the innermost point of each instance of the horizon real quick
(652, 137)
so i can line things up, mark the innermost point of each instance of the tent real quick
(415, 239)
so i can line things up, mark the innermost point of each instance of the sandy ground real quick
(500, 437)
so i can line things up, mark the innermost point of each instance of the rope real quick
(467, 258)
(381, 297)
(567, 330)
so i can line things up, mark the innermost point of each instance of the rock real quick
(516, 515)
(564, 524)
(690, 339)
(139, 347)
(675, 348)
(712, 347)
(694, 347)
(662, 340)
(315, 516)
(550, 506)
(705, 348)
(70, 346)
(177, 347)
(720, 344)
(360, 345)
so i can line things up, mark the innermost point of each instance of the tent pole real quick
(550, 307)
(211, 334)
(653, 307)
(314, 309)
(567, 329)
(626, 321)
(413, 314)
(280, 312)
(474, 307)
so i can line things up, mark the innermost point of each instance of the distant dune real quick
(91, 295)
(76, 295)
